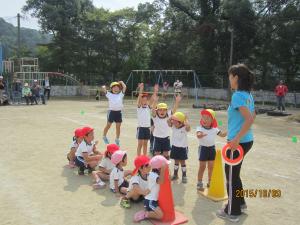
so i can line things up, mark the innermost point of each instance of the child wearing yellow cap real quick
(161, 133)
(206, 133)
(179, 150)
(114, 114)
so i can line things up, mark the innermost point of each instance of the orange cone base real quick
(215, 199)
(179, 219)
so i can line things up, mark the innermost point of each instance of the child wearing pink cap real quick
(105, 167)
(155, 178)
(118, 183)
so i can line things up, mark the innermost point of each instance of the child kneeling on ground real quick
(105, 167)
(156, 177)
(77, 139)
(87, 156)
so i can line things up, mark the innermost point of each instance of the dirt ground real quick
(36, 188)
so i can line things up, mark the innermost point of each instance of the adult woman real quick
(241, 115)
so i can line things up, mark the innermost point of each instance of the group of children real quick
(157, 122)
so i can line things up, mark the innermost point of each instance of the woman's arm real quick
(249, 119)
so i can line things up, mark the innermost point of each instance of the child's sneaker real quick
(100, 184)
(106, 141)
(125, 203)
(222, 214)
(184, 179)
(81, 171)
(200, 186)
(117, 141)
(243, 208)
(174, 177)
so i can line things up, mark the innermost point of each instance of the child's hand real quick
(96, 143)
(141, 86)
(201, 135)
(146, 192)
(178, 98)
(156, 88)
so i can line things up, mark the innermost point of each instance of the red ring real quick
(232, 162)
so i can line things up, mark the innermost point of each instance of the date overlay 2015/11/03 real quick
(258, 193)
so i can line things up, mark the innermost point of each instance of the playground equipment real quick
(151, 77)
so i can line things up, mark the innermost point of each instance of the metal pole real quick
(18, 52)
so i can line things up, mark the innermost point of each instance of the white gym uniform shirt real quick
(144, 116)
(153, 186)
(115, 101)
(179, 137)
(116, 174)
(161, 127)
(210, 138)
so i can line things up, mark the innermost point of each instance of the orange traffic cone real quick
(216, 191)
(165, 198)
(166, 203)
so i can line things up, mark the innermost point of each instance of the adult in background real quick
(281, 91)
(241, 115)
(26, 93)
(47, 87)
(17, 90)
(165, 88)
(3, 96)
(177, 87)
(37, 92)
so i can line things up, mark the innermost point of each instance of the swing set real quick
(189, 78)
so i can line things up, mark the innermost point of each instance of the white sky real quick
(10, 8)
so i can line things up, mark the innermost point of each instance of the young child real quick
(155, 178)
(87, 156)
(206, 134)
(179, 150)
(105, 167)
(77, 139)
(144, 119)
(118, 183)
(138, 186)
(115, 101)
(160, 117)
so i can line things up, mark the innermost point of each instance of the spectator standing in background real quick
(47, 87)
(281, 91)
(177, 87)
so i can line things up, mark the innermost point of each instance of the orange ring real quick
(232, 162)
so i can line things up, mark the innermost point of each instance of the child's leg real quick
(118, 130)
(166, 154)
(106, 128)
(156, 214)
(210, 165)
(139, 147)
(103, 176)
(123, 190)
(201, 170)
(93, 163)
(135, 193)
(72, 155)
(176, 168)
(95, 176)
(183, 167)
(145, 146)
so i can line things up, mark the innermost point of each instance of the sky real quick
(9, 10)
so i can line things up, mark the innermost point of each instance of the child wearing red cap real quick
(138, 186)
(156, 177)
(114, 114)
(144, 118)
(206, 133)
(179, 150)
(117, 182)
(105, 167)
(87, 156)
(77, 139)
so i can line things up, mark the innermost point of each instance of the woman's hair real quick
(245, 76)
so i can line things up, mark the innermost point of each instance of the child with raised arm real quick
(161, 132)
(115, 102)
(144, 119)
